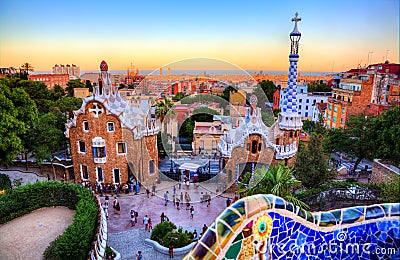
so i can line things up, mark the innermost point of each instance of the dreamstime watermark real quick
(339, 245)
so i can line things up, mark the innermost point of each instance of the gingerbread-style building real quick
(112, 140)
(253, 144)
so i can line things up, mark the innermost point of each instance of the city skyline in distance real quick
(336, 35)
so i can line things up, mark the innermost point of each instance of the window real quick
(110, 127)
(335, 108)
(99, 172)
(300, 100)
(254, 146)
(306, 115)
(99, 152)
(151, 166)
(334, 119)
(85, 126)
(306, 107)
(116, 176)
(330, 107)
(342, 121)
(81, 147)
(84, 172)
(343, 110)
(299, 107)
(329, 117)
(121, 148)
(307, 101)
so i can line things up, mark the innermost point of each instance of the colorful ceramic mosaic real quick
(268, 227)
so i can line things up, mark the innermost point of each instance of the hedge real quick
(165, 233)
(75, 242)
(5, 182)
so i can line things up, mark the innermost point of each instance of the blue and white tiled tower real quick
(289, 117)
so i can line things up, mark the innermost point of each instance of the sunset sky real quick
(336, 35)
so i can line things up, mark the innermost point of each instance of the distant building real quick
(51, 79)
(81, 92)
(306, 101)
(73, 71)
(7, 72)
(238, 98)
(318, 109)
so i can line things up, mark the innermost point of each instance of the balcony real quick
(100, 159)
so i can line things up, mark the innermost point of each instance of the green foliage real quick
(391, 189)
(227, 92)
(17, 182)
(89, 85)
(166, 233)
(311, 166)
(186, 129)
(278, 181)
(163, 108)
(73, 83)
(308, 126)
(76, 240)
(57, 92)
(178, 239)
(39, 93)
(203, 114)
(5, 182)
(178, 96)
(67, 105)
(318, 86)
(161, 230)
(265, 92)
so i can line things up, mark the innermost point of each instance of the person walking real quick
(204, 228)
(171, 250)
(150, 225)
(187, 200)
(146, 222)
(133, 222)
(148, 193)
(153, 190)
(162, 217)
(139, 255)
(166, 198)
(228, 202)
(191, 212)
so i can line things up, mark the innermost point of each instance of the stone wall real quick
(382, 173)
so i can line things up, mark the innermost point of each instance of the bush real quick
(76, 240)
(178, 239)
(165, 233)
(161, 230)
(5, 182)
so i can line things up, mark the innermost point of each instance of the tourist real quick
(133, 222)
(191, 212)
(171, 250)
(146, 222)
(115, 204)
(139, 255)
(105, 209)
(204, 228)
(153, 190)
(162, 217)
(187, 200)
(150, 225)
(117, 208)
(174, 190)
(195, 235)
(228, 202)
(166, 198)
(208, 199)
(181, 197)
(177, 201)
(148, 193)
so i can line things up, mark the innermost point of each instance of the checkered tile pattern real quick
(290, 97)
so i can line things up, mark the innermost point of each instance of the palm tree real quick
(163, 108)
(26, 67)
(278, 181)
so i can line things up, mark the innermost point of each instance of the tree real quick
(203, 114)
(89, 85)
(318, 86)
(163, 108)
(178, 96)
(25, 69)
(265, 92)
(67, 105)
(227, 92)
(39, 93)
(57, 93)
(311, 166)
(278, 181)
(386, 130)
(73, 83)
(10, 127)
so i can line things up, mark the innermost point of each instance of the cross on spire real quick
(296, 19)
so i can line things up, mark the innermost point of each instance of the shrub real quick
(161, 230)
(5, 182)
(178, 239)
(76, 240)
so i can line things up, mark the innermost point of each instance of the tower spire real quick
(290, 119)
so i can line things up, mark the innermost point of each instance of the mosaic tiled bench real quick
(268, 227)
